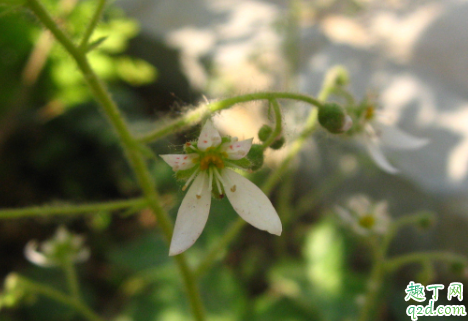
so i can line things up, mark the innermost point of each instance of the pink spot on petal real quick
(205, 141)
(185, 157)
(230, 146)
(238, 146)
(177, 157)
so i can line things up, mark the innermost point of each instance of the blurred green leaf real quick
(136, 72)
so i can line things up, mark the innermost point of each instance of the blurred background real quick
(159, 58)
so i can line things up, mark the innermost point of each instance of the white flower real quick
(377, 135)
(365, 217)
(207, 161)
(54, 252)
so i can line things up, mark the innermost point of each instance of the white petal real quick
(36, 257)
(378, 157)
(237, 150)
(250, 202)
(209, 136)
(192, 215)
(180, 161)
(396, 138)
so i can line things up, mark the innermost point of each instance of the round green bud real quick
(341, 76)
(277, 144)
(458, 268)
(427, 221)
(264, 132)
(255, 155)
(334, 118)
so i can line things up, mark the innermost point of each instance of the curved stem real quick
(59, 296)
(278, 124)
(309, 128)
(38, 211)
(130, 147)
(198, 114)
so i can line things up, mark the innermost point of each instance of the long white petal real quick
(192, 215)
(180, 161)
(250, 202)
(396, 138)
(237, 150)
(209, 136)
(378, 157)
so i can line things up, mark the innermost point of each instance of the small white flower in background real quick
(207, 163)
(376, 134)
(56, 251)
(365, 217)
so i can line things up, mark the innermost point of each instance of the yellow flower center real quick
(367, 221)
(211, 159)
(370, 112)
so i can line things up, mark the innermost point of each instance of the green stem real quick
(92, 25)
(40, 211)
(399, 261)
(383, 265)
(72, 279)
(374, 283)
(198, 114)
(278, 124)
(129, 145)
(59, 296)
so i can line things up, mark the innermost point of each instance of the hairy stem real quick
(129, 145)
(198, 114)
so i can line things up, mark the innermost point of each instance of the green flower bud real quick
(277, 144)
(255, 155)
(264, 132)
(340, 75)
(334, 118)
(458, 268)
(427, 221)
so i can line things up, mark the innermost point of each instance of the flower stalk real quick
(42, 211)
(51, 293)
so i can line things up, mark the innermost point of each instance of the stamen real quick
(190, 179)
(210, 179)
(202, 184)
(218, 182)
(228, 182)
